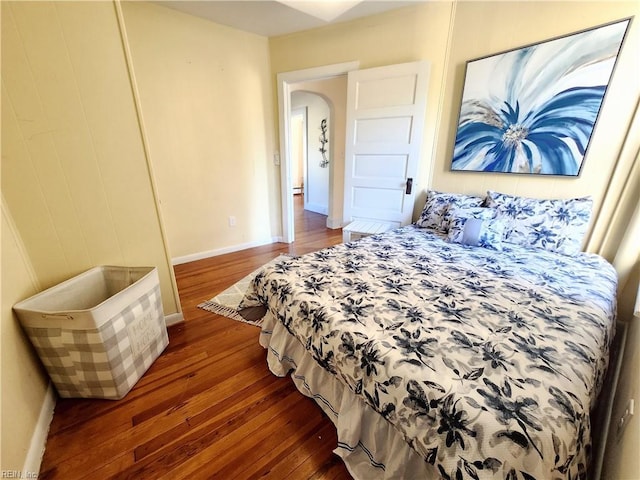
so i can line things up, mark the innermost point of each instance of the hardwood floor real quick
(208, 407)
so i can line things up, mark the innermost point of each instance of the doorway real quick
(311, 149)
(312, 79)
(372, 177)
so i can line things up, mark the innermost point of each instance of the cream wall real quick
(23, 380)
(205, 92)
(484, 28)
(74, 172)
(75, 179)
(403, 35)
(622, 204)
(448, 34)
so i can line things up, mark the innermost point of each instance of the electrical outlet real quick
(626, 416)
(276, 158)
(232, 221)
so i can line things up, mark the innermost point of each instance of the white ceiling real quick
(271, 18)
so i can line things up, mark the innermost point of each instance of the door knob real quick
(409, 186)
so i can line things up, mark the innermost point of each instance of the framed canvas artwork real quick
(532, 110)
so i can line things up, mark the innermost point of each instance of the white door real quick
(385, 120)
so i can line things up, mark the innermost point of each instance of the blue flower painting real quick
(532, 110)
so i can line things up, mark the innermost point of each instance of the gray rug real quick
(227, 303)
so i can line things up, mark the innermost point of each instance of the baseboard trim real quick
(33, 461)
(173, 318)
(219, 251)
(316, 208)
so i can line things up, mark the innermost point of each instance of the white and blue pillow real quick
(475, 227)
(554, 225)
(435, 212)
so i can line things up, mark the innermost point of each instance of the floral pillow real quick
(554, 225)
(435, 212)
(476, 227)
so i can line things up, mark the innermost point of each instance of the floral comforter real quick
(487, 362)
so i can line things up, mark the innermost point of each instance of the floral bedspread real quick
(487, 362)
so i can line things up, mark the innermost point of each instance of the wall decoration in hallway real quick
(533, 109)
(323, 143)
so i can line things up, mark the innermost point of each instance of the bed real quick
(472, 344)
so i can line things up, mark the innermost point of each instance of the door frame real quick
(285, 80)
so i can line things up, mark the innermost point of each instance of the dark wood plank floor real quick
(208, 407)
